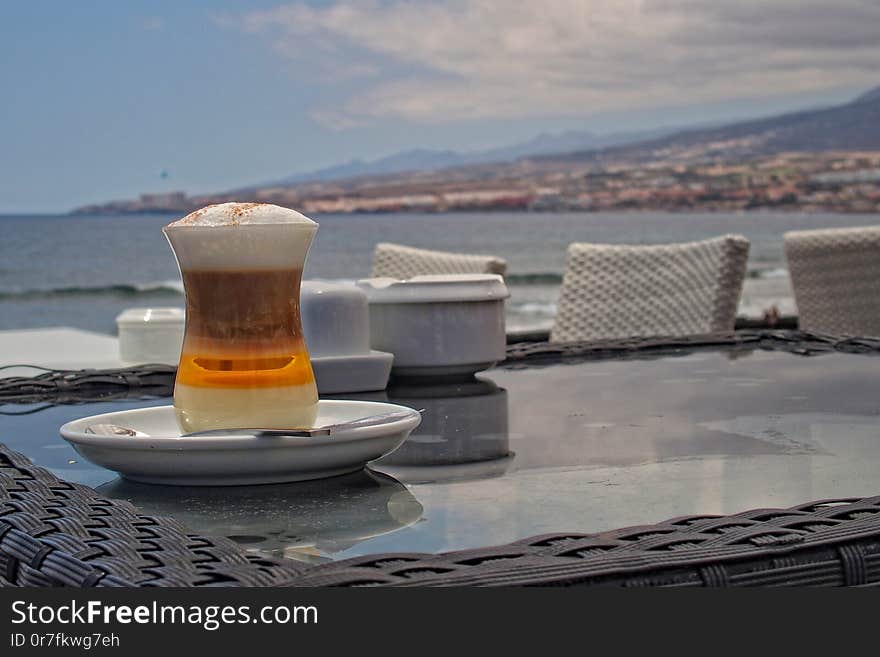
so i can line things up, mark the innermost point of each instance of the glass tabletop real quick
(579, 447)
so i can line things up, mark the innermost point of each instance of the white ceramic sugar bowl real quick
(449, 325)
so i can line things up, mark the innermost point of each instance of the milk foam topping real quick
(242, 214)
(241, 236)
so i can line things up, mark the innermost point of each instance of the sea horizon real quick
(45, 280)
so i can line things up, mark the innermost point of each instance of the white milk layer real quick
(201, 408)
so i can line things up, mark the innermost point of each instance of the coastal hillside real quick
(824, 159)
(852, 126)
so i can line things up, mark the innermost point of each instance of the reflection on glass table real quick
(308, 521)
(463, 434)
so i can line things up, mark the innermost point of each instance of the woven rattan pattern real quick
(84, 386)
(825, 543)
(615, 291)
(398, 261)
(836, 278)
(57, 533)
(802, 343)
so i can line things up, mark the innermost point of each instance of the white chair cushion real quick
(398, 261)
(616, 291)
(835, 274)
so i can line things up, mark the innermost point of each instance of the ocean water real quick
(82, 271)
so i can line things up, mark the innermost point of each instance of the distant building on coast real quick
(165, 202)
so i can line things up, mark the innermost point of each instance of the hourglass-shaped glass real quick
(244, 361)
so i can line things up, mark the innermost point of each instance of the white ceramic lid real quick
(435, 288)
(134, 316)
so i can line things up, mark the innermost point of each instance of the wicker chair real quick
(397, 261)
(836, 278)
(612, 291)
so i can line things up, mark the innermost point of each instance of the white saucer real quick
(165, 457)
(354, 373)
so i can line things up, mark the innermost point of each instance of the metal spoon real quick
(326, 430)
(114, 430)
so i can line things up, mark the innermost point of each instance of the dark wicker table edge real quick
(57, 533)
(53, 387)
(801, 343)
(822, 543)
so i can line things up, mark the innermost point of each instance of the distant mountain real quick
(564, 142)
(424, 159)
(869, 96)
(851, 126)
(415, 159)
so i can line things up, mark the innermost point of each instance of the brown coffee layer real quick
(243, 329)
(236, 305)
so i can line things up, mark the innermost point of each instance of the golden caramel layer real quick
(245, 371)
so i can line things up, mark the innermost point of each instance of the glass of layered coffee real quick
(244, 361)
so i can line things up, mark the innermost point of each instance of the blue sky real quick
(100, 97)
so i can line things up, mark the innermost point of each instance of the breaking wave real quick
(535, 278)
(768, 272)
(127, 290)
(547, 309)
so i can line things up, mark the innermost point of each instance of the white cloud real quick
(464, 59)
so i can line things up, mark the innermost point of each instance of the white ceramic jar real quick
(336, 327)
(438, 325)
(150, 335)
(335, 319)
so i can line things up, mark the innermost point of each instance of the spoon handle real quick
(326, 430)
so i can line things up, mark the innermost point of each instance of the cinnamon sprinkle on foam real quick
(236, 214)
